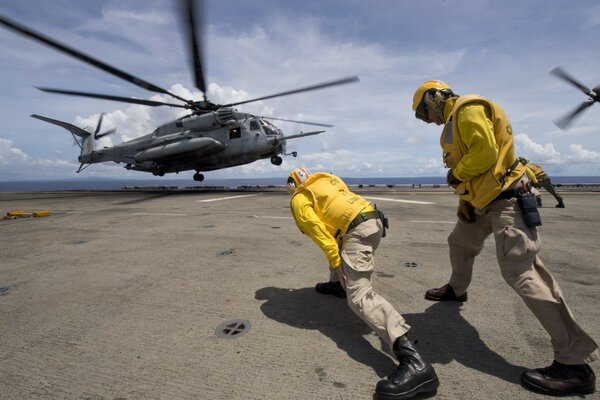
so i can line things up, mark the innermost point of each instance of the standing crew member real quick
(492, 186)
(347, 228)
(542, 179)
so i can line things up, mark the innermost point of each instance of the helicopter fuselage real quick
(206, 142)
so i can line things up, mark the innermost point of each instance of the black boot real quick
(560, 204)
(445, 293)
(333, 288)
(412, 377)
(560, 379)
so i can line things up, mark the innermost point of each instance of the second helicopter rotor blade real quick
(562, 74)
(22, 29)
(299, 122)
(342, 81)
(190, 14)
(151, 103)
(564, 122)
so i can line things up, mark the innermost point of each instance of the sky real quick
(502, 50)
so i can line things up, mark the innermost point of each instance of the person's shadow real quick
(441, 333)
(444, 335)
(306, 309)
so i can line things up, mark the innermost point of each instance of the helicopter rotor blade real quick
(337, 82)
(151, 103)
(298, 122)
(562, 74)
(191, 14)
(98, 125)
(22, 29)
(564, 122)
(108, 132)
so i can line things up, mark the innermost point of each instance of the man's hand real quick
(452, 180)
(466, 212)
(341, 275)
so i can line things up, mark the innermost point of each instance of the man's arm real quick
(311, 225)
(477, 133)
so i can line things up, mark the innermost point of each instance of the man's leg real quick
(547, 184)
(464, 244)
(413, 375)
(517, 247)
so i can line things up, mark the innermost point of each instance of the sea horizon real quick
(120, 183)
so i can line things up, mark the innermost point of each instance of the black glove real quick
(466, 212)
(451, 179)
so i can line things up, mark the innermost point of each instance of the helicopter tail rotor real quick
(593, 95)
(97, 134)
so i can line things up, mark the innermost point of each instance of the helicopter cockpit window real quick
(235, 133)
(269, 129)
(254, 126)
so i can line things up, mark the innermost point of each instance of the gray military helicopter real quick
(212, 136)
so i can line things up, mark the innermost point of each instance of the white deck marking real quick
(162, 214)
(227, 198)
(398, 200)
(268, 216)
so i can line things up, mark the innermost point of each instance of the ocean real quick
(116, 184)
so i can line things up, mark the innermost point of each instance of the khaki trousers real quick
(517, 247)
(358, 250)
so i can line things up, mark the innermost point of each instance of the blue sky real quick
(501, 50)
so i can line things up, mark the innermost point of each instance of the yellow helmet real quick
(418, 105)
(297, 177)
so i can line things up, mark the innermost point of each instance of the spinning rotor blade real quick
(562, 74)
(189, 16)
(98, 125)
(151, 103)
(108, 132)
(298, 122)
(565, 121)
(88, 59)
(305, 89)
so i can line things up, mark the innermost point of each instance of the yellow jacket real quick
(323, 208)
(537, 170)
(531, 175)
(478, 147)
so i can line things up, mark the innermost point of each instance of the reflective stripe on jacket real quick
(324, 206)
(477, 144)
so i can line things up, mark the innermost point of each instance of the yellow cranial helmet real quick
(418, 103)
(297, 177)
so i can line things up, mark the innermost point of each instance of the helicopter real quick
(210, 137)
(593, 97)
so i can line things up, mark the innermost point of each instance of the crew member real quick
(348, 229)
(541, 179)
(478, 149)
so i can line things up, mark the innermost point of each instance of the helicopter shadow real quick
(443, 335)
(305, 309)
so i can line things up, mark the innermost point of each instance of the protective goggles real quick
(421, 111)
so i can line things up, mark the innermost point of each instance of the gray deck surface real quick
(118, 295)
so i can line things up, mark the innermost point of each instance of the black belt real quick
(507, 194)
(362, 217)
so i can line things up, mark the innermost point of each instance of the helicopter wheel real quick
(198, 177)
(276, 160)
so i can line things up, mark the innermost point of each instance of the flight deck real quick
(160, 294)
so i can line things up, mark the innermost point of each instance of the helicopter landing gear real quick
(159, 172)
(276, 160)
(293, 154)
(198, 177)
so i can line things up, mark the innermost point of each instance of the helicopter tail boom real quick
(84, 139)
